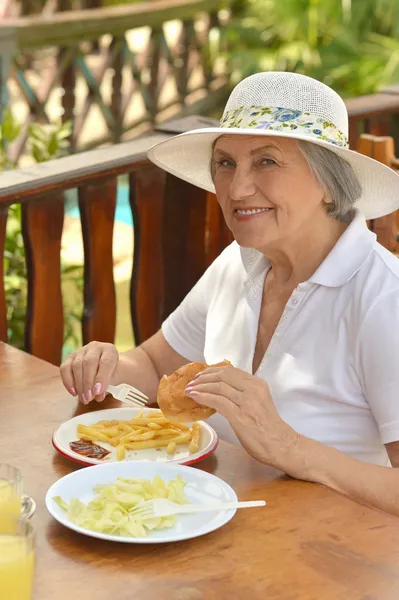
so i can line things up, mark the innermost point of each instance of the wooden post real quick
(184, 240)
(353, 132)
(217, 235)
(395, 129)
(117, 82)
(27, 8)
(147, 197)
(97, 201)
(7, 48)
(88, 4)
(385, 227)
(153, 62)
(183, 49)
(383, 150)
(68, 81)
(42, 223)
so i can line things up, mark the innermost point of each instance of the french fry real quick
(155, 413)
(167, 432)
(180, 426)
(171, 447)
(194, 444)
(110, 432)
(135, 436)
(94, 434)
(125, 428)
(147, 435)
(114, 442)
(138, 430)
(92, 438)
(146, 420)
(150, 430)
(86, 438)
(182, 439)
(120, 452)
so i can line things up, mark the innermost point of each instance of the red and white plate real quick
(67, 432)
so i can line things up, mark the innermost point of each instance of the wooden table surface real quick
(309, 544)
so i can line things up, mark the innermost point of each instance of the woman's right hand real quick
(87, 372)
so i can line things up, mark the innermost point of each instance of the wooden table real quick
(309, 544)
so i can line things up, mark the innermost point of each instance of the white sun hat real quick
(284, 105)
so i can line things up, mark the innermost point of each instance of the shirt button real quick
(302, 287)
(295, 301)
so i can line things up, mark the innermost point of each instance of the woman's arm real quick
(246, 402)
(184, 330)
(376, 486)
(87, 372)
(144, 366)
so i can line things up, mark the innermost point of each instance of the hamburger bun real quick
(172, 400)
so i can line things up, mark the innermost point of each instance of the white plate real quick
(201, 488)
(67, 432)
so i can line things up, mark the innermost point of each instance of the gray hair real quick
(335, 175)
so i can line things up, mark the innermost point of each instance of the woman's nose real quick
(242, 184)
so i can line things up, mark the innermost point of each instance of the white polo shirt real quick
(333, 362)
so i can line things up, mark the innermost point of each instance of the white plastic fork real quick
(161, 507)
(128, 394)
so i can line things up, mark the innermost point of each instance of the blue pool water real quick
(123, 213)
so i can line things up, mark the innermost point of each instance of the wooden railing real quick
(178, 233)
(374, 114)
(382, 148)
(49, 64)
(136, 79)
(22, 8)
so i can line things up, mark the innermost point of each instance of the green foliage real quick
(351, 45)
(9, 131)
(15, 283)
(46, 142)
(49, 141)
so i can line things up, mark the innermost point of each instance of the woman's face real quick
(266, 190)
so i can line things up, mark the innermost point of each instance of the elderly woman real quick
(304, 303)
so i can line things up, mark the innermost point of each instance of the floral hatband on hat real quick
(284, 119)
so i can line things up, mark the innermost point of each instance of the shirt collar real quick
(345, 259)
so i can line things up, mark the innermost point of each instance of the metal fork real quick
(128, 394)
(161, 507)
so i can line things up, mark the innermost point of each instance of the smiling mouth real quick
(251, 211)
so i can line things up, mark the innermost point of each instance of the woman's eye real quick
(224, 162)
(267, 161)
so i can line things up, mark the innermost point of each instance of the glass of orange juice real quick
(10, 493)
(17, 554)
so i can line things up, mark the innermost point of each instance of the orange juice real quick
(16, 567)
(10, 502)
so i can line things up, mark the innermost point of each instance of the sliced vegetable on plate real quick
(110, 511)
(100, 501)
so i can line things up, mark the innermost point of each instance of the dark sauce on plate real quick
(89, 449)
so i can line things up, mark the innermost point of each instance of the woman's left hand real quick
(246, 402)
